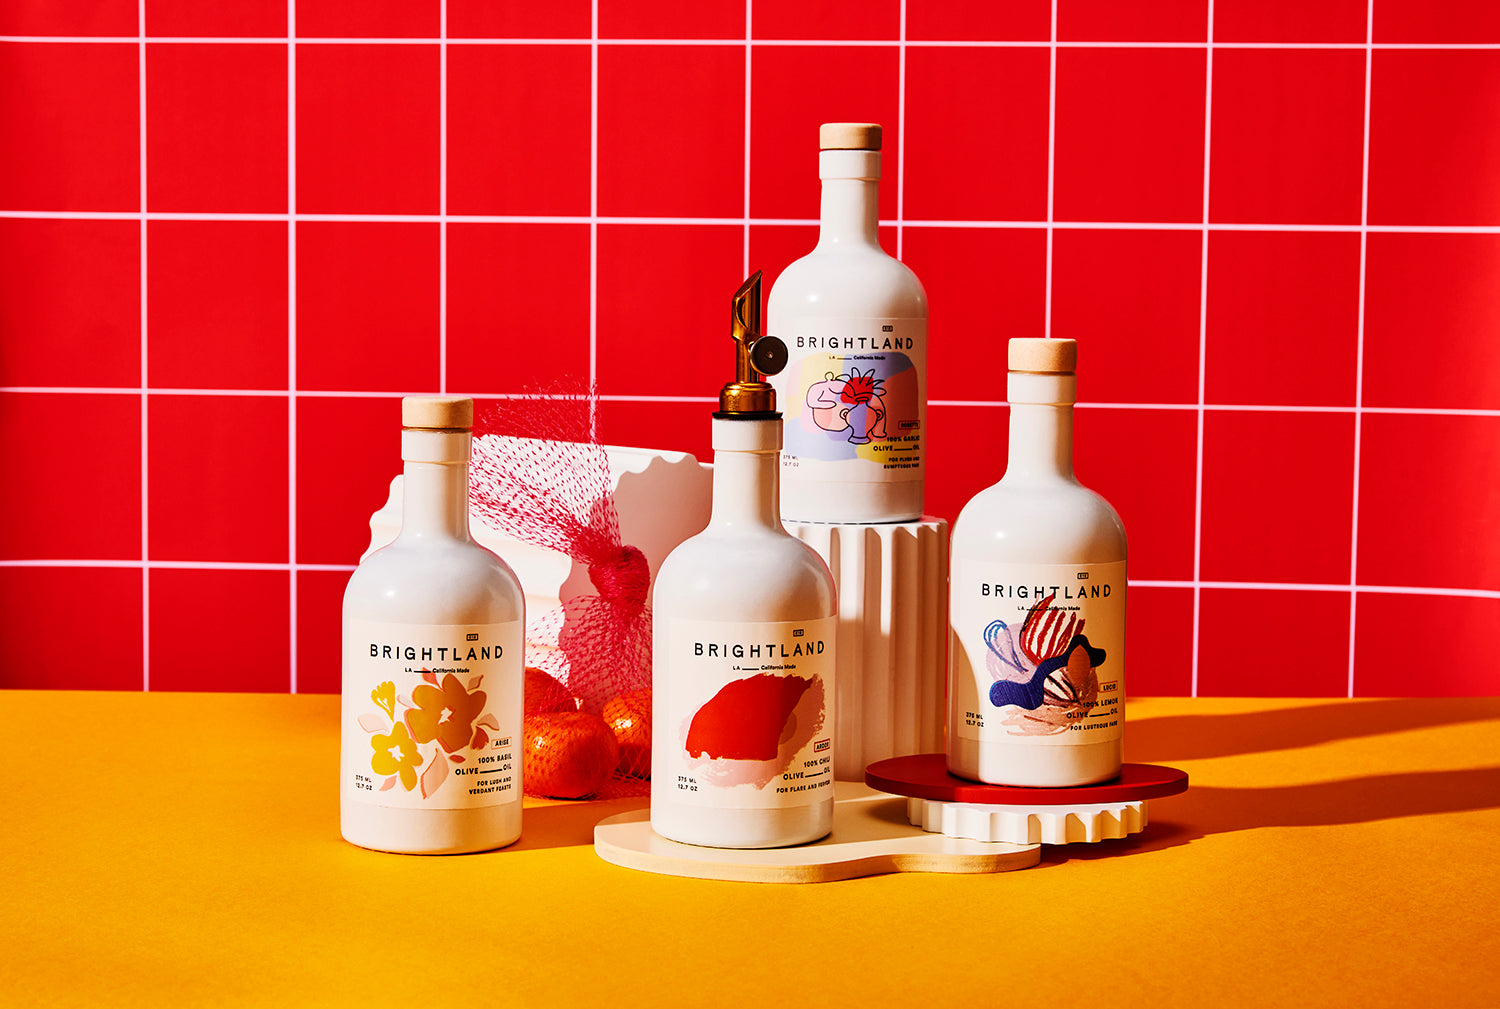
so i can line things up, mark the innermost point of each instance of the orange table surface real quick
(183, 849)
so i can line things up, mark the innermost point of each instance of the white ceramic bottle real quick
(854, 320)
(743, 642)
(1036, 672)
(434, 632)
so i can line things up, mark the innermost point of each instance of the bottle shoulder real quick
(750, 576)
(855, 281)
(452, 582)
(1059, 522)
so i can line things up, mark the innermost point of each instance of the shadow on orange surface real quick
(1205, 810)
(567, 824)
(1193, 737)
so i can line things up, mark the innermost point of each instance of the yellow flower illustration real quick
(396, 754)
(385, 696)
(445, 714)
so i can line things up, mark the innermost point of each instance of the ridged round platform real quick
(939, 802)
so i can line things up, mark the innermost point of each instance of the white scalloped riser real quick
(1029, 824)
(892, 582)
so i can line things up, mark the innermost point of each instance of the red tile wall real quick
(233, 234)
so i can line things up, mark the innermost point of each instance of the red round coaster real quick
(925, 776)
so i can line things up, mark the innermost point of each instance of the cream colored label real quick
(748, 713)
(432, 714)
(1038, 652)
(853, 398)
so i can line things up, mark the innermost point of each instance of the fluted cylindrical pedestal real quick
(892, 580)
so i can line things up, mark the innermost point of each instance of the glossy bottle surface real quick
(743, 645)
(854, 394)
(1037, 610)
(436, 622)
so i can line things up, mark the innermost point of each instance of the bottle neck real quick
(1041, 427)
(435, 487)
(850, 213)
(747, 474)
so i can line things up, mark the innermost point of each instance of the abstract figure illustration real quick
(1047, 670)
(852, 402)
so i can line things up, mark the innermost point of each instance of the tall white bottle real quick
(1036, 672)
(434, 631)
(855, 324)
(743, 642)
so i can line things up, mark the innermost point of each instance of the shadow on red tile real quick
(667, 427)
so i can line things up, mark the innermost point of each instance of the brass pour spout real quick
(756, 355)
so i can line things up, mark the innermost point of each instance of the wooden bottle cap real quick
(1042, 356)
(438, 413)
(849, 137)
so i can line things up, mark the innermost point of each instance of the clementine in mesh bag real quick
(540, 475)
(567, 754)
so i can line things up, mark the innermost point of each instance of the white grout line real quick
(593, 220)
(1051, 171)
(842, 43)
(291, 336)
(145, 377)
(749, 33)
(1208, 111)
(1145, 583)
(1399, 411)
(1359, 354)
(443, 198)
(898, 222)
(901, 139)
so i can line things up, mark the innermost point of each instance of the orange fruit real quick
(629, 717)
(544, 693)
(567, 754)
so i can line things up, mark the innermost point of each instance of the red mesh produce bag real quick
(540, 475)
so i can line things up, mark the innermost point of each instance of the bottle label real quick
(852, 398)
(748, 713)
(432, 714)
(1038, 652)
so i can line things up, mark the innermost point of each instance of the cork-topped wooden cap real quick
(1042, 356)
(438, 413)
(849, 137)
